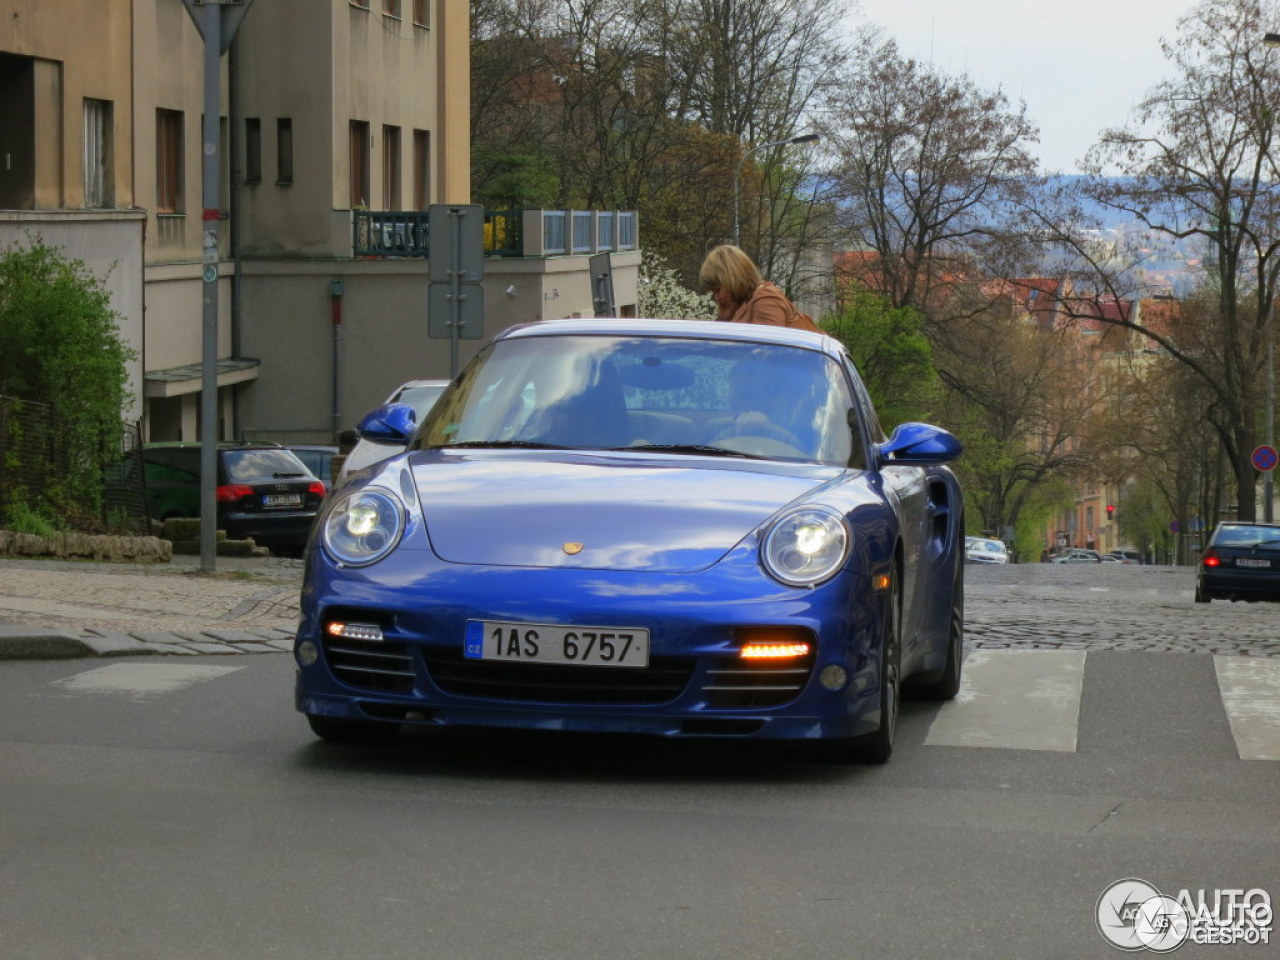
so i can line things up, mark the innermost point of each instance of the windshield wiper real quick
(697, 448)
(285, 476)
(499, 445)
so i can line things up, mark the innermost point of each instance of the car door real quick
(907, 490)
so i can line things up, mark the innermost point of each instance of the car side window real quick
(864, 423)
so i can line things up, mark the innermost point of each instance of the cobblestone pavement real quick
(251, 606)
(244, 606)
(1109, 607)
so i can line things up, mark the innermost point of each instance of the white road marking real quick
(142, 679)
(1014, 699)
(1250, 690)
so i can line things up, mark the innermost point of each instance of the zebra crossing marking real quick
(1250, 690)
(1015, 700)
(142, 680)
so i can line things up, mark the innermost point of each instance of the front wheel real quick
(878, 747)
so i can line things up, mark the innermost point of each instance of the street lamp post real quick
(737, 175)
(1268, 490)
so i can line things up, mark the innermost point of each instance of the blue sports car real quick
(679, 528)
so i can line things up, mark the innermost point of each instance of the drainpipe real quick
(233, 211)
(336, 292)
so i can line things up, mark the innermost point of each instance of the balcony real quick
(507, 233)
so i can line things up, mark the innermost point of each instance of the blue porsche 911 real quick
(677, 528)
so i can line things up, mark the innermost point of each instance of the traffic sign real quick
(1263, 457)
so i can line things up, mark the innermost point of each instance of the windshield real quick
(668, 394)
(421, 397)
(256, 464)
(1246, 536)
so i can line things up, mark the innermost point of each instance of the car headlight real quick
(806, 546)
(364, 526)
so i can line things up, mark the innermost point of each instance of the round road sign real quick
(1263, 457)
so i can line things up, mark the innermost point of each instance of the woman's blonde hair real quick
(728, 268)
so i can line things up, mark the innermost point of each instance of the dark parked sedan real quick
(1240, 562)
(264, 491)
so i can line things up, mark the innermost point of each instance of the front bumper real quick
(695, 685)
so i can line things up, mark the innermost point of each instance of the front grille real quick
(662, 681)
(378, 667)
(743, 685)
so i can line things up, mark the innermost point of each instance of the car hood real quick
(598, 512)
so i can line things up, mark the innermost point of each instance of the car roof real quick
(655, 327)
(409, 384)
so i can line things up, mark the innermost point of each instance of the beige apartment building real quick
(342, 120)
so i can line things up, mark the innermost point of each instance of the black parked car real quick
(263, 490)
(1241, 561)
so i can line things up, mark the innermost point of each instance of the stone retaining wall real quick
(74, 546)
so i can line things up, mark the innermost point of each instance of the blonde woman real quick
(742, 295)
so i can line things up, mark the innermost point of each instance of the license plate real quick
(282, 500)
(556, 643)
(1247, 562)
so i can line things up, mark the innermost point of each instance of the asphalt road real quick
(176, 807)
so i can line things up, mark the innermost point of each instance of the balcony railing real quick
(390, 234)
(507, 233)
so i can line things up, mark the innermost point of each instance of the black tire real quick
(947, 684)
(1202, 595)
(878, 747)
(345, 730)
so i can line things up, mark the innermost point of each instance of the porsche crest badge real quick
(571, 548)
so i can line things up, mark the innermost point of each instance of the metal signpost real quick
(455, 295)
(1264, 459)
(217, 22)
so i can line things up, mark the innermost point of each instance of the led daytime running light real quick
(355, 631)
(774, 651)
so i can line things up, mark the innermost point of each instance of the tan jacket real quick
(770, 305)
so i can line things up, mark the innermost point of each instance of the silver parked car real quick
(984, 550)
(1077, 556)
(419, 394)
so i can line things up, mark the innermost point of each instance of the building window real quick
(98, 160)
(391, 8)
(390, 168)
(252, 150)
(421, 18)
(421, 169)
(284, 150)
(359, 163)
(169, 197)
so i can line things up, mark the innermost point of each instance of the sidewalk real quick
(58, 608)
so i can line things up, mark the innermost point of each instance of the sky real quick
(1080, 65)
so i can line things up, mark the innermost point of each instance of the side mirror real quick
(920, 444)
(393, 423)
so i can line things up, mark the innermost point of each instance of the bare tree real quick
(1020, 397)
(1198, 161)
(927, 167)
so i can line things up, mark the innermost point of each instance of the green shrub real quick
(62, 358)
(20, 518)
